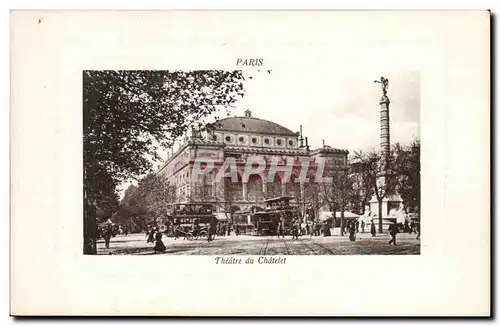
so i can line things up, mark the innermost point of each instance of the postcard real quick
(289, 163)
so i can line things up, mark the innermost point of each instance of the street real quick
(365, 244)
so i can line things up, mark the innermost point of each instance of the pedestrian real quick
(211, 229)
(281, 228)
(373, 231)
(393, 230)
(362, 226)
(159, 246)
(106, 234)
(357, 226)
(237, 229)
(295, 231)
(307, 228)
(352, 232)
(406, 227)
(151, 235)
(326, 229)
(418, 230)
(229, 226)
(412, 227)
(196, 228)
(176, 226)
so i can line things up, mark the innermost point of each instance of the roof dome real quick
(250, 124)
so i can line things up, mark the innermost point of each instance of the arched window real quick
(273, 189)
(232, 191)
(254, 188)
(291, 187)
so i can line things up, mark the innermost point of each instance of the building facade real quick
(237, 139)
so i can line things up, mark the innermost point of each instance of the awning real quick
(326, 215)
(221, 216)
(398, 214)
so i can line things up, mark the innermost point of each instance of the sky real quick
(342, 110)
(332, 94)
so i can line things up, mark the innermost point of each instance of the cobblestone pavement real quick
(253, 245)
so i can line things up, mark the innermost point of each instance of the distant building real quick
(240, 138)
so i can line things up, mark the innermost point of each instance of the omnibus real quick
(266, 222)
(186, 215)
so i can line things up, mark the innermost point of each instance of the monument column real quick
(385, 141)
(389, 199)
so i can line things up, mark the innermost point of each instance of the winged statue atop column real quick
(385, 84)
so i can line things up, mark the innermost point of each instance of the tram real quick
(266, 222)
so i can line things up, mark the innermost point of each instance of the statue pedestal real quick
(392, 201)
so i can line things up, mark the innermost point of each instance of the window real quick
(228, 138)
(214, 137)
(254, 140)
(241, 139)
(266, 141)
(278, 142)
(290, 142)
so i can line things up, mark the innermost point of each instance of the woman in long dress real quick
(372, 229)
(352, 232)
(159, 246)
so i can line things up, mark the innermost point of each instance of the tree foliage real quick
(129, 115)
(400, 170)
(407, 169)
(339, 192)
(147, 202)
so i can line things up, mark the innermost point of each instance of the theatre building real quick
(238, 138)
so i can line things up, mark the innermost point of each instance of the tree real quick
(147, 202)
(407, 169)
(398, 171)
(339, 191)
(377, 173)
(222, 194)
(313, 195)
(129, 115)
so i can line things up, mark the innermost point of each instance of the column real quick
(303, 205)
(283, 189)
(244, 190)
(264, 188)
(214, 189)
(221, 190)
(385, 140)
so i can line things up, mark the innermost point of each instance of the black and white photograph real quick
(200, 163)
